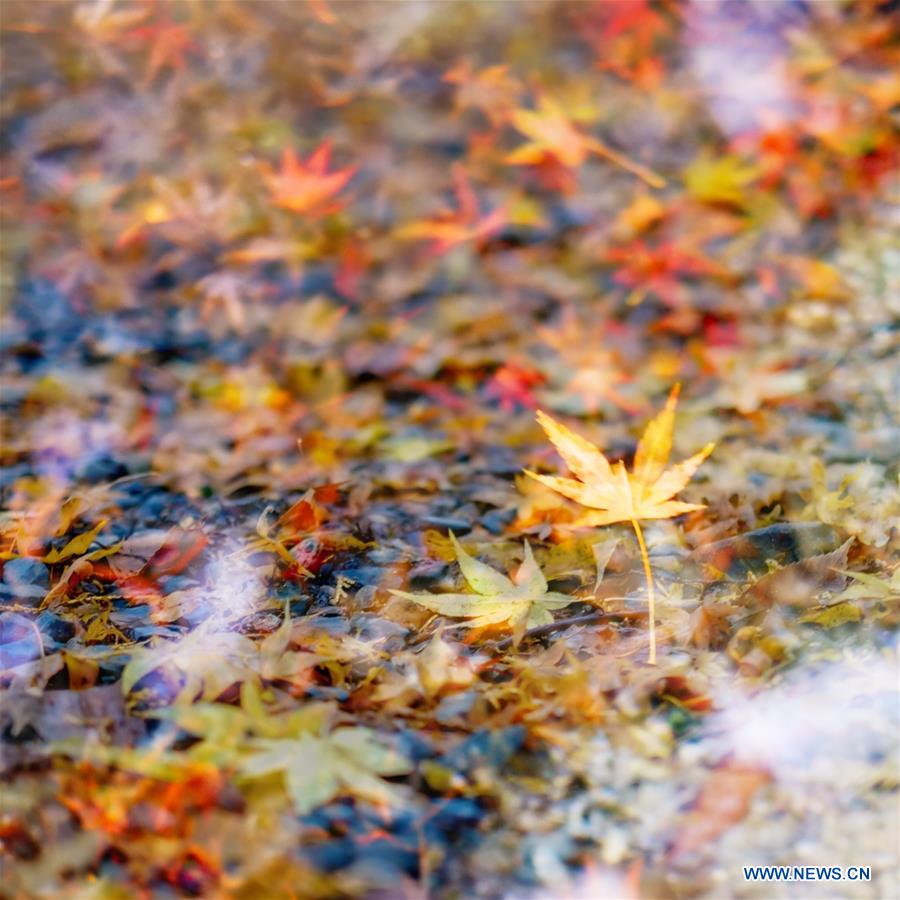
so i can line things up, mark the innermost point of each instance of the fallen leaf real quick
(621, 496)
(348, 761)
(523, 602)
(307, 187)
(803, 583)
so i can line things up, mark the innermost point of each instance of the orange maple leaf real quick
(307, 187)
(449, 228)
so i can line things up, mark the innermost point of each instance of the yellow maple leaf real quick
(553, 136)
(551, 133)
(720, 181)
(618, 495)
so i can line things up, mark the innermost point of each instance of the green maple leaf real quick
(316, 758)
(523, 601)
(318, 768)
(210, 659)
(226, 731)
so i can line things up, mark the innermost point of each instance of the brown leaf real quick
(803, 583)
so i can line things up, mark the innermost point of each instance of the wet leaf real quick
(348, 761)
(307, 186)
(522, 602)
(803, 583)
(77, 546)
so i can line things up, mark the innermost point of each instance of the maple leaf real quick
(224, 292)
(225, 732)
(551, 133)
(448, 228)
(307, 187)
(491, 90)
(720, 181)
(589, 373)
(554, 137)
(663, 270)
(317, 768)
(523, 601)
(623, 34)
(168, 43)
(512, 385)
(621, 496)
(872, 587)
(205, 658)
(636, 17)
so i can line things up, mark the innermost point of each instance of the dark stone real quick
(785, 543)
(452, 817)
(331, 856)
(56, 631)
(428, 575)
(486, 748)
(497, 520)
(101, 468)
(334, 818)
(448, 523)
(16, 653)
(19, 641)
(25, 579)
(388, 857)
(360, 575)
(385, 555)
(170, 583)
(413, 746)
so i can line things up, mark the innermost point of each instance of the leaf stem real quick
(646, 175)
(586, 619)
(651, 599)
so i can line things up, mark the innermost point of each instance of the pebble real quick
(457, 526)
(330, 856)
(428, 575)
(452, 816)
(784, 543)
(55, 629)
(25, 579)
(497, 520)
(18, 641)
(486, 748)
(388, 857)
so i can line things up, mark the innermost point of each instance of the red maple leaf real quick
(658, 270)
(168, 43)
(512, 385)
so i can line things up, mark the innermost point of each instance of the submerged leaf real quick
(522, 602)
(317, 769)
(802, 583)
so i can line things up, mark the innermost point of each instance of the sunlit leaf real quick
(618, 495)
